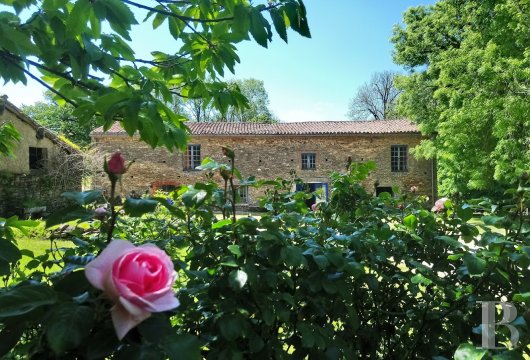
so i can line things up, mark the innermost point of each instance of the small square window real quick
(193, 157)
(398, 158)
(309, 161)
(242, 192)
(37, 158)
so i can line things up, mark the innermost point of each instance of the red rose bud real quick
(116, 164)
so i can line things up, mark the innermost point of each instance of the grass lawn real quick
(37, 241)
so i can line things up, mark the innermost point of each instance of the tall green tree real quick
(258, 103)
(469, 88)
(60, 119)
(256, 109)
(82, 51)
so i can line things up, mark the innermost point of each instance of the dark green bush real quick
(362, 277)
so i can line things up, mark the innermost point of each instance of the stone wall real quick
(21, 186)
(20, 191)
(268, 157)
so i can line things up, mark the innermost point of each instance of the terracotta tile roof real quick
(295, 128)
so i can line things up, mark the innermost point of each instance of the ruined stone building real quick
(313, 150)
(43, 166)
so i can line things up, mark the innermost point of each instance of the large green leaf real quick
(475, 265)
(67, 326)
(9, 251)
(23, 299)
(83, 197)
(469, 352)
(182, 346)
(139, 207)
(75, 212)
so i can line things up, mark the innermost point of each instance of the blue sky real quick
(307, 79)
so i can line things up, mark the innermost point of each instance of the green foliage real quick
(83, 52)
(9, 138)
(468, 89)
(60, 119)
(361, 277)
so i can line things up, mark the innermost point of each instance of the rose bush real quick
(439, 204)
(360, 278)
(138, 280)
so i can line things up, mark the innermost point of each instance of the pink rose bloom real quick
(116, 164)
(439, 205)
(414, 189)
(138, 279)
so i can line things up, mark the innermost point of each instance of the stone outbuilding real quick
(43, 167)
(311, 150)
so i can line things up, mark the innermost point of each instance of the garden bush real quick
(360, 277)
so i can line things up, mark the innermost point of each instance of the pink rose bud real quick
(116, 164)
(138, 279)
(314, 207)
(100, 212)
(439, 205)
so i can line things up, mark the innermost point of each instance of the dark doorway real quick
(382, 189)
(319, 190)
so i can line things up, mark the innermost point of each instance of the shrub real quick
(361, 277)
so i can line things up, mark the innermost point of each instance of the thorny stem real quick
(113, 213)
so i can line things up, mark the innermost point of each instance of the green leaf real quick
(71, 213)
(194, 197)
(279, 23)
(78, 17)
(465, 212)
(83, 197)
(221, 223)
(523, 297)
(469, 352)
(232, 326)
(259, 27)
(292, 256)
(450, 241)
(234, 249)
(411, 222)
(139, 207)
(241, 23)
(182, 346)
(493, 220)
(23, 299)
(9, 251)
(67, 326)
(476, 266)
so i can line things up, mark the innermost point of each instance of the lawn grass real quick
(37, 241)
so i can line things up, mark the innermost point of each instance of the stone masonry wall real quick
(268, 157)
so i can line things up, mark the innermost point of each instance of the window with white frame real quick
(309, 161)
(398, 158)
(242, 192)
(193, 157)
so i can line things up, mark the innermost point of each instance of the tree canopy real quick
(468, 88)
(82, 51)
(256, 109)
(376, 99)
(60, 119)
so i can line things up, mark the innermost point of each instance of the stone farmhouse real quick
(43, 167)
(310, 149)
